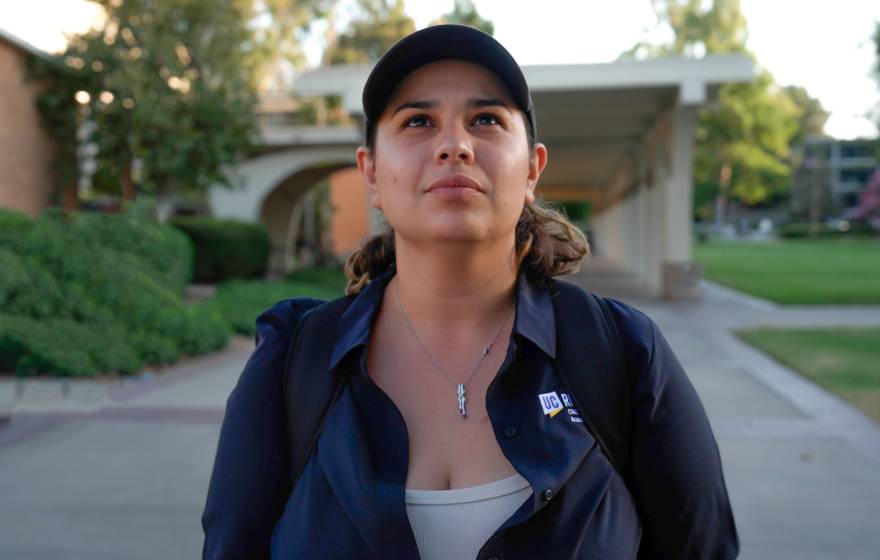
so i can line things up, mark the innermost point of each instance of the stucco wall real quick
(350, 222)
(26, 152)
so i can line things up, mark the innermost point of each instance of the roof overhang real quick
(23, 45)
(589, 115)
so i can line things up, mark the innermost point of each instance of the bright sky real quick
(823, 45)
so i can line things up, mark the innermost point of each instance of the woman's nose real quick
(454, 146)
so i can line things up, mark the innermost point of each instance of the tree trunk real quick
(128, 189)
(288, 263)
(70, 196)
(721, 199)
(309, 227)
(164, 205)
(814, 203)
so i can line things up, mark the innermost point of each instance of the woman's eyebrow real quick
(419, 104)
(475, 102)
(480, 102)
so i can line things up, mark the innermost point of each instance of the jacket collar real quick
(534, 319)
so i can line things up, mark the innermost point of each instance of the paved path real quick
(120, 470)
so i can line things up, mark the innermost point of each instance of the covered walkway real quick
(101, 468)
(620, 136)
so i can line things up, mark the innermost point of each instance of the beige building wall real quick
(26, 150)
(350, 221)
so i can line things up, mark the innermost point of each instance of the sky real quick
(822, 45)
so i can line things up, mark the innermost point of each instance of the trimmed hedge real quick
(89, 293)
(800, 230)
(239, 302)
(226, 249)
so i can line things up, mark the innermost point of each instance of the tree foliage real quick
(813, 114)
(743, 145)
(381, 24)
(876, 72)
(465, 13)
(720, 28)
(168, 84)
(280, 28)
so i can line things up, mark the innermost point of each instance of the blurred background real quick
(171, 168)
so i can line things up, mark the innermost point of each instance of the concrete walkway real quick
(120, 470)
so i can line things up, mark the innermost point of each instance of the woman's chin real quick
(449, 231)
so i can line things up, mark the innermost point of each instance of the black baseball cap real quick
(441, 42)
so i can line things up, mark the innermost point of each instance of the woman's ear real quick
(537, 163)
(367, 166)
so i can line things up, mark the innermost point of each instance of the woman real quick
(455, 435)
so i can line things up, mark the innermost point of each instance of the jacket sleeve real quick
(250, 482)
(676, 474)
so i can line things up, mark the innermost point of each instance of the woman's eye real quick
(417, 121)
(486, 119)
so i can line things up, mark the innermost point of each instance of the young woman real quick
(455, 435)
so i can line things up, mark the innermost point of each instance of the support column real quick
(680, 276)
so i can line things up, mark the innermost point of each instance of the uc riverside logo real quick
(552, 404)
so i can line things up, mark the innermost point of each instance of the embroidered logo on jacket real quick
(550, 403)
(573, 414)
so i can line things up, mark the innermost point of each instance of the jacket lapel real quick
(375, 507)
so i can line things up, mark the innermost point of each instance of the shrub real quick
(88, 293)
(165, 249)
(239, 302)
(64, 347)
(226, 249)
(800, 229)
(14, 222)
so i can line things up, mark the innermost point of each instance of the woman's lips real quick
(456, 184)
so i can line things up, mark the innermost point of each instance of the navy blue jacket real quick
(349, 501)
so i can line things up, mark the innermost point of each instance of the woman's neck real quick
(456, 285)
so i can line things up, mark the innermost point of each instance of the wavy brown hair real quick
(547, 245)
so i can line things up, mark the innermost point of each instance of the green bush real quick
(799, 230)
(13, 222)
(166, 249)
(64, 347)
(239, 302)
(88, 293)
(226, 249)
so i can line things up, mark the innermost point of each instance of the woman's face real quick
(451, 160)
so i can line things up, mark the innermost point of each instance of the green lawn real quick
(825, 271)
(843, 361)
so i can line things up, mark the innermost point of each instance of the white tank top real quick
(455, 524)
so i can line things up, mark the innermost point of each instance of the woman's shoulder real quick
(631, 322)
(633, 325)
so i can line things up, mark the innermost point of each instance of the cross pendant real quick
(461, 401)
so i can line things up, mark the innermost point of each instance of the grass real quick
(239, 302)
(843, 361)
(811, 272)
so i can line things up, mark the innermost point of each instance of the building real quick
(831, 177)
(27, 151)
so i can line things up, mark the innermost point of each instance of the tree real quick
(280, 28)
(696, 30)
(380, 25)
(813, 114)
(742, 146)
(465, 13)
(876, 73)
(877, 51)
(167, 84)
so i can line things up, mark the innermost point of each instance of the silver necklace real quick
(460, 387)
